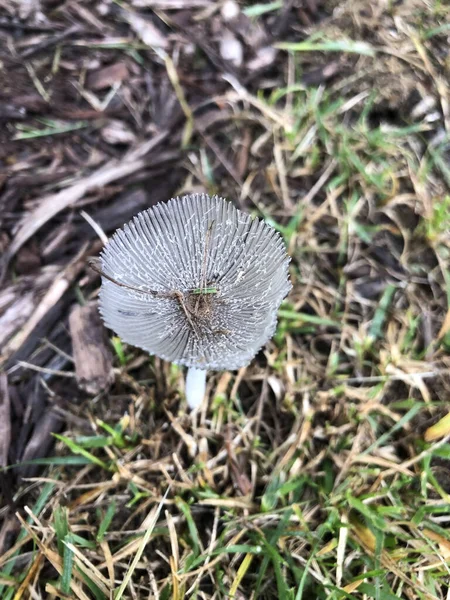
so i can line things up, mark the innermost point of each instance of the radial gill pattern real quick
(207, 282)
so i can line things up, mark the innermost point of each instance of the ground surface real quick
(323, 469)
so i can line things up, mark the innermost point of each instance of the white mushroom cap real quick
(212, 279)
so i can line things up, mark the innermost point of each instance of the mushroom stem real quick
(195, 387)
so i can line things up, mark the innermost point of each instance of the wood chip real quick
(101, 79)
(40, 443)
(19, 301)
(56, 291)
(116, 132)
(92, 355)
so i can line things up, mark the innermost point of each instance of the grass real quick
(314, 45)
(26, 132)
(388, 527)
(322, 470)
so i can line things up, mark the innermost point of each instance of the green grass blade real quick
(66, 576)
(348, 46)
(77, 449)
(106, 521)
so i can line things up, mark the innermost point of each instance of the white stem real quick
(195, 387)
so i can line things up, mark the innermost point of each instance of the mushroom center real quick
(200, 302)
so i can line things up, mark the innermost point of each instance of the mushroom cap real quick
(207, 282)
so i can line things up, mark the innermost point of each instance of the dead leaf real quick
(351, 587)
(438, 430)
(116, 132)
(265, 56)
(444, 544)
(108, 76)
(145, 30)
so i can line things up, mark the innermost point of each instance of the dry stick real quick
(95, 263)
(203, 282)
(52, 204)
(180, 299)
(5, 420)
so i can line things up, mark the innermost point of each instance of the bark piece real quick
(92, 356)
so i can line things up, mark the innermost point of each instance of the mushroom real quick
(196, 282)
